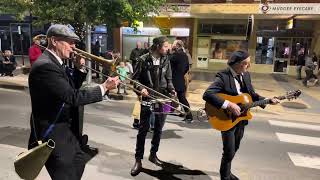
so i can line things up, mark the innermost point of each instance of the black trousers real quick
(182, 99)
(144, 126)
(67, 160)
(8, 68)
(231, 141)
(309, 75)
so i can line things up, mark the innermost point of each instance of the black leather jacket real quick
(146, 76)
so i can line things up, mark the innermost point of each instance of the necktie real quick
(242, 87)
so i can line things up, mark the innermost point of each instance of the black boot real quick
(188, 118)
(155, 160)
(135, 124)
(137, 167)
(233, 177)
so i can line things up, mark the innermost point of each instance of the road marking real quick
(298, 139)
(295, 125)
(304, 160)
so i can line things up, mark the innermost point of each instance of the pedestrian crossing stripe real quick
(295, 125)
(304, 160)
(298, 139)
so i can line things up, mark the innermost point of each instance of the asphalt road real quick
(272, 149)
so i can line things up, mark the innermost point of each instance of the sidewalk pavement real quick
(267, 85)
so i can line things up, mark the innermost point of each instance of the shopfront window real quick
(5, 39)
(264, 50)
(222, 49)
(234, 29)
(299, 45)
(99, 40)
(21, 40)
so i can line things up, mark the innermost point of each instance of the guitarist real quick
(233, 81)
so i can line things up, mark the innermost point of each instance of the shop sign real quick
(290, 8)
(141, 31)
(175, 10)
(179, 32)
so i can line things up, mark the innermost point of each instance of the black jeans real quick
(309, 75)
(182, 99)
(144, 126)
(231, 142)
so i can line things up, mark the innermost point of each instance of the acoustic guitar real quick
(223, 120)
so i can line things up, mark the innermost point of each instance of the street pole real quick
(21, 44)
(88, 49)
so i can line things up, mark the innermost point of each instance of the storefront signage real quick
(141, 31)
(290, 8)
(179, 32)
(175, 10)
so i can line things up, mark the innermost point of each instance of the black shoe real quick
(92, 151)
(84, 140)
(135, 124)
(181, 115)
(188, 121)
(155, 160)
(137, 167)
(233, 177)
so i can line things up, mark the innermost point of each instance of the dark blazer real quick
(224, 83)
(50, 87)
(134, 56)
(180, 66)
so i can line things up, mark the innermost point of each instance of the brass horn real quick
(102, 60)
(87, 55)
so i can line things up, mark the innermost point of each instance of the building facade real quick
(213, 29)
(15, 35)
(280, 32)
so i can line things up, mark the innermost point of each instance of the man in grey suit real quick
(51, 86)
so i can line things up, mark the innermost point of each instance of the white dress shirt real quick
(156, 61)
(238, 86)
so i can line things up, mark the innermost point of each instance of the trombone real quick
(101, 60)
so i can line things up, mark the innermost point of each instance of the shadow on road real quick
(171, 171)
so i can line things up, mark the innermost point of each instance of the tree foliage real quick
(110, 12)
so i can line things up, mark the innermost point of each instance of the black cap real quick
(60, 30)
(237, 57)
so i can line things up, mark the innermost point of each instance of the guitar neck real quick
(263, 102)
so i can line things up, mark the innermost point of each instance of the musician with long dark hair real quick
(233, 81)
(154, 71)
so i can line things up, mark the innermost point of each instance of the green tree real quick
(110, 12)
(78, 12)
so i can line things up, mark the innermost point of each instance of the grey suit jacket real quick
(50, 87)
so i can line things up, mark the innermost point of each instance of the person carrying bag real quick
(29, 164)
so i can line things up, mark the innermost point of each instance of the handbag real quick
(29, 164)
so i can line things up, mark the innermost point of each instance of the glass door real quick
(282, 55)
(20, 38)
